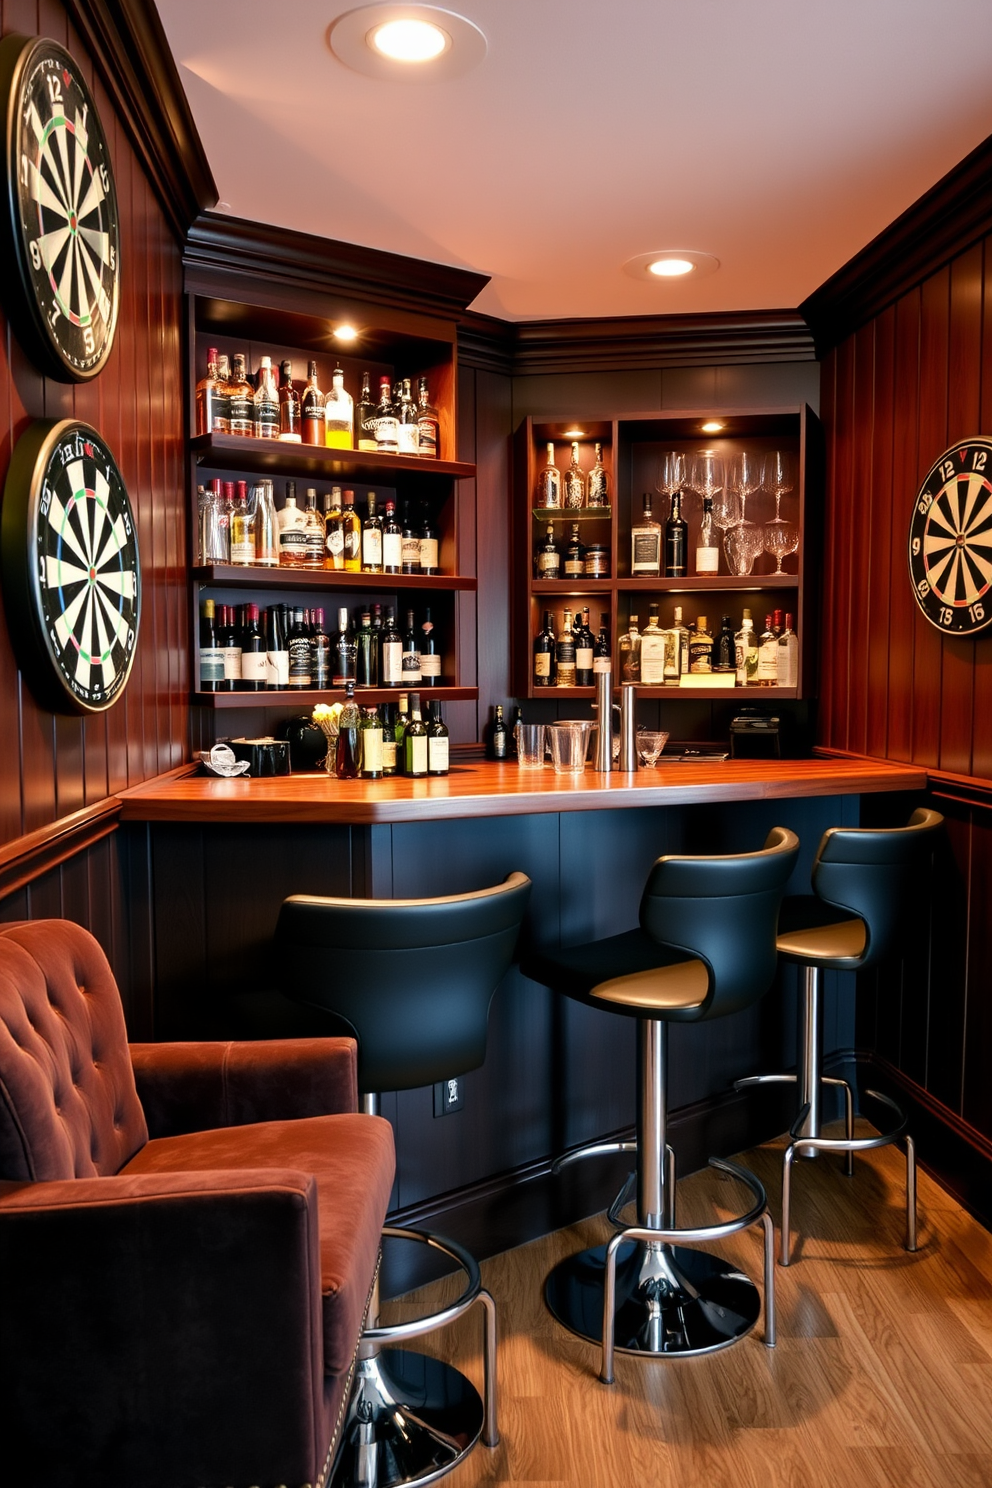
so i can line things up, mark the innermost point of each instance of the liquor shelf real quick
(230, 576)
(672, 694)
(234, 453)
(306, 697)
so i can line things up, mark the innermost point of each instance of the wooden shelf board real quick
(228, 576)
(232, 452)
(672, 694)
(547, 514)
(308, 697)
(699, 582)
(565, 587)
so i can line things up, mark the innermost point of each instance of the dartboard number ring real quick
(950, 540)
(71, 571)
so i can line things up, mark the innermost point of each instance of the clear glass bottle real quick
(598, 482)
(575, 555)
(339, 414)
(409, 426)
(292, 531)
(707, 542)
(676, 541)
(391, 652)
(372, 539)
(365, 417)
(547, 559)
(347, 753)
(290, 407)
(415, 741)
(334, 532)
(392, 541)
(387, 425)
(645, 542)
(545, 646)
(212, 415)
(344, 659)
(266, 526)
(575, 482)
(746, 651)
(565, 652)
(242, 532)
(654, 645)
(437, 742)
(548, 493)
(240, 400)
(370, 738)
(683, 635)
(214, 534)
(366, 655)
(430, 656)
(411, 652)
(629, 647)
(351, 527)
(788, 656)
(766, 674)
(265, 404)
(428, 424)
(313, 530)
(312, 409)
(700, 648)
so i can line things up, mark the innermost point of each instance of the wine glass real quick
(744, 477)
(706, 475)
(672, 473)
(780, 539)
(650, 743)
(742, 544)
(776, 476)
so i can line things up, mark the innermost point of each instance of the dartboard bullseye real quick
(950, 540)
(71, 576)
(61, 225)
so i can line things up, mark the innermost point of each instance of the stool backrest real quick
(724, 910)
(875, 874)
(410, 979)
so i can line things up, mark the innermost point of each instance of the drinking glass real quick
(706, 476)
(569, 745)
(776, 476)
(530, 745)
(744, 477)
(742, 544)
(650, 743)
(672, 473)
(780, 539)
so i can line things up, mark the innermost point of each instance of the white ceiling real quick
(778, 135)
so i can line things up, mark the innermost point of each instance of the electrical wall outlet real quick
(449, 1096)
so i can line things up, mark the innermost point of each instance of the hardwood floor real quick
(882, 1377)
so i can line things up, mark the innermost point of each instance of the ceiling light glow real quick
(712, 427)
(409, 40)
(671, 263)
(573, 433)
(345, 333)
(671, 268)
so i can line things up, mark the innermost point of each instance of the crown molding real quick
(945, 221)
(625, 343)
(131, 52)
(486, 343)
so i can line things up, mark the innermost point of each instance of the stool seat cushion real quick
(819, 934)
(629, 973)
(350, 1156)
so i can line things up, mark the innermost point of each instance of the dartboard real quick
(71, 576)
(950, 540)
(60, 223)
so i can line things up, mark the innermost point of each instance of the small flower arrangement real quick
(325, 716)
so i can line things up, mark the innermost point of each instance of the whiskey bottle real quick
(598, 482)
(707, 546)
(499, 744)
(265, 403)
(372, 539)
(409, 545)
(391, 652)
(312, 408)
(654, 646)
(700, 648)
(334, 532)
(428, 425)
(430, 656)
(575, 555)
(545, 672)
(565, 652)
(321, 670)
(347, 753)
(683, 641)
(724, 652)
(548, 493)
(290, 407)
(548, 557)
(409, 425)
(365, 417)
(351, 527)
(240, 400)
(370, 739)
(428, 544)
(415, 741)
(242, 531)
(387, 425)
(788, 656)
(746, 652)
(266, 526)
(313, 531)
(629, 647)
(211, 651)
(602, 660)
(299, 651)
(392, 541)
(437, 742)
(575, 482)
(676, 541)
(366, 655)
(339, 414)
(584, 646)
(766, 674)
(212, 416)
(254, 655)
(411, 653)
(292, 531)
(645, 542)
(344, 658)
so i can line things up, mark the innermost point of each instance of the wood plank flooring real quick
(882, 1377)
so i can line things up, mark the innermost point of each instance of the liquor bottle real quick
(724, 651)
(321, 670)
(629, 647)
(428, 544)
(707, 546)
(428, 424)
(602, 660)
(266, 526)
(344, 661)
(365, 417)
(387, 425)
(370, 735)
(212, 534)
(339, 414)
(334, 532)
(409, 545)
(366, 657)
(411, 653)
(584, 645)
(229, 639)
(211, 651)
(387, 712)
(676, 541)
(645, 542)
(598, 482)
(575, 482)
(372, 539)
(409, 427)
(767, 669)
(266, 402)
(212, 416)
(415, 741)
(351, 527)
(313, 531)
(683, 635)
(565, 652)
(312, 408)
(700, 648)
(292, 531)
(515, 726)
(240, 400)
(746, 652)
(391, 652)
(788, 656)
(673, 655)
(276, 648)
(347, 753)
(498, 741)
(392, 541)
(437, 741)
(655, 646)
(402, 721)
(225, 502)
(430, 656)
(548, 493)
(575, 555)
(299, 651)
(545, 646)
(548, 557)
(254, 654)
(242, 533)
(290, 407)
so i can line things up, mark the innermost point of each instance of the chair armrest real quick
(191, 1300)
(197, 1087)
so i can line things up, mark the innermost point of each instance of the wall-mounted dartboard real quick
(59, 225)
(950, 540)
(70, 571)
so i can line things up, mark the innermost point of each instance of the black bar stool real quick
(411, 980)
(706, 948)
(865, 884)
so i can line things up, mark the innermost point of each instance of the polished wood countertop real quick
(484, 789)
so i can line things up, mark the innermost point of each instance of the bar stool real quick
(865, 884)
(705, 948)
(411, 980)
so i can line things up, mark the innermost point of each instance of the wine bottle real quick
(345, 658)
(265, 403)
(430, 656)
(351, 527)
(372, 539)
(437, 742)
(387, 712)
(548, 557)
(392, 541)
(313, 532)
(312, 408)
(724, 657)
(347, 754)
(676, 541)
(211, 651)
(575, 482)
(544, 653)
(276, 649)
(575, 555)
(242, 533)
(339, 414)
(266, 526)
(428, 424)
(230, 641)
(370, 738)
(565, 652)
(598, 482)
(428, 544)
(366, 669)
(602, 660)
(299, 651)
(365, 417)
(254, 654)
(411, 653)
(391, 669)
(321, 670)
(498, 742)
(402, 720)
(707, 546)
(290, 407)
(548, 493)
(409, 427)
(387, 425)
(415, 741)
(584, 645)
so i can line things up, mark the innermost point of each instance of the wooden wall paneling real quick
(467, 558)
(928, 644)
(878, 515)
(860, 616)
(838, 577)
(828, 402)
(493, 428)
(981, 755)
(902, 625)
(976, 1104)
(134, 914)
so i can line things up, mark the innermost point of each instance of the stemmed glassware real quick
(744, 540)
(781, 537)
(672, 474)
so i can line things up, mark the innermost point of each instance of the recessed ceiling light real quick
(345, 333)
(671, 263)
(711, 427)
(573, 433)
(407, 43)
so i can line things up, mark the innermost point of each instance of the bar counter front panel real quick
(224, 854)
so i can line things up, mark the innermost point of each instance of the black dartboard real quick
(950, 540)
(59, 225)
(71, 576)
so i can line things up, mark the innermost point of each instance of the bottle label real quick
(254, 667)
(387, 432)
(410, 553)
(276, 669)
(409, 439)
(700, 656)
(372, 547)
(768, 661)
(232, 663)
(601, 664)
(352, 542)
(211, 664)
(707, 560)
(430, 665)
(243, 552)
(241, 414)
(647, 552)
(289, 422)
(542, 664)
(315, 546)
(392, 550)
(410, 667)
(416, 756)
(653, 655)
(583, 658)
(389, 753)
(367, 424)
(266, 419)
(335, 541)
(392, 663)
(437, 755)
(372, 750)
(574, 568)
(299, 661)
(428, 553)
(427, 438)
(548, 565)
(293, 540)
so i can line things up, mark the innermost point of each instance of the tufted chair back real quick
(68, 1103)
